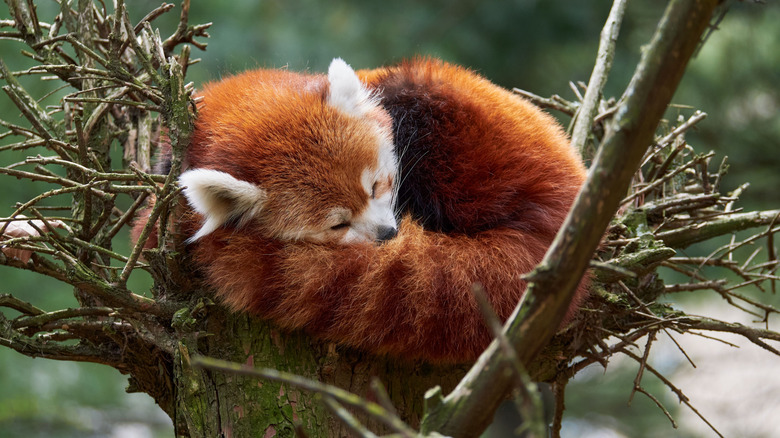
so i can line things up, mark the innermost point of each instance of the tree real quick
(126, 87)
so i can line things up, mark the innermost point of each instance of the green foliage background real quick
(536, 45)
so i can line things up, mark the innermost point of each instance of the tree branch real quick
(34, 347)
(686, 236)
(583, 120)
(45, 318)
(754, 335)
(10, 301)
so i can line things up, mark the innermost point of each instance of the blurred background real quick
(538, 46)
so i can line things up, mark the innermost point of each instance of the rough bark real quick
(211, 403)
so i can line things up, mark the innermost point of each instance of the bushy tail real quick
(410, 297)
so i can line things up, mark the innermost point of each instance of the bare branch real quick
(686, 236)
(348, 419)
(754, 335)
(8, 300)
(45, 318)
(528, 403)
(185, 33)
(33, 347)
(555, 102)
(598, 78)
(682, 397)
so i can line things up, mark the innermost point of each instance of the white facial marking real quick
(366, 227)
(378, 214)
(220, 197)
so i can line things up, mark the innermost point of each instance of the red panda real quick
(294, 181)
(301, 157)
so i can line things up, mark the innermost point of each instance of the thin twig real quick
(10, 301)
(598, 78)
(147, 230)
(556, 104)
(527, 401)
(680, 395)
(642, 365)
(348, 419)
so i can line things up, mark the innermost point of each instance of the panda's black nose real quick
(385, 233)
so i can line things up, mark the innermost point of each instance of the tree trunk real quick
(209, 404)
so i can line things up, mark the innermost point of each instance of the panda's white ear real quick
(346, 92)
(220, 197)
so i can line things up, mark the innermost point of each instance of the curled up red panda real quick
(362, 207)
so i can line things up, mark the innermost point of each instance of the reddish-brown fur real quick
(486, 181)
(252, 125)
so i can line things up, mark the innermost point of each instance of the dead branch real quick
(583, 119)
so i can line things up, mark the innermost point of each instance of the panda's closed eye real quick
(341, 226)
